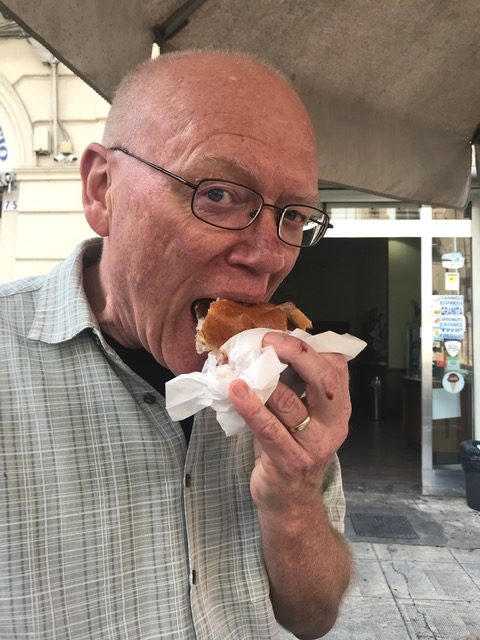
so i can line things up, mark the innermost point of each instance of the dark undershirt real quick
(145, 365)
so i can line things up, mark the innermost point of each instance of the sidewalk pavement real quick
(417, 568)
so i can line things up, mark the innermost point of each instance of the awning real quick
(393, 87)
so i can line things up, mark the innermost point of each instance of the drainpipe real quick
(54, 99)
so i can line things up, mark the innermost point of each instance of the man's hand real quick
(307, 561)
(290, 465)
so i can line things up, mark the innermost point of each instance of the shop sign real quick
(452, 347)
(452, 281)
(453, 260)
(453, 382)
(448, 317)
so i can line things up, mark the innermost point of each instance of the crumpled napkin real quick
(258, 366)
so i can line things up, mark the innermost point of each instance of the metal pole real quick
(476, 309)
(54, 76)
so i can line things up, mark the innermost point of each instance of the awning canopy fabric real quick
(393, 87)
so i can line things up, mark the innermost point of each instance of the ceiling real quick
(393, 86)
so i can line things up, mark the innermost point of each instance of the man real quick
(112, 526)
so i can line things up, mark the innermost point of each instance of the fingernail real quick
(273, 338)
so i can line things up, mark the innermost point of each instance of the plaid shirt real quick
(110, 527)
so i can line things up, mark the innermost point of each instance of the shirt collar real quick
(62, 309)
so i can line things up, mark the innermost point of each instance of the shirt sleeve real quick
(333, 496)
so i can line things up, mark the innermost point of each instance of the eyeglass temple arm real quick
(155, 166)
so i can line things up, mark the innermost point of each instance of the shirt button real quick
(149, 398)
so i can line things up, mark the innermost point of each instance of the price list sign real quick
(448, 317)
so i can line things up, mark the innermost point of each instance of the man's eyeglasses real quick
(228, 205)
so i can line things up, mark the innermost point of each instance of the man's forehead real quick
(230, 165)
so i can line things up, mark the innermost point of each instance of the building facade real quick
(47, 117)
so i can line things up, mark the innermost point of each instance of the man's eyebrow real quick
(234, 169)
(223, 163)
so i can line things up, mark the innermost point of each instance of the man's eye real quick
(292, 215)
(218, 195)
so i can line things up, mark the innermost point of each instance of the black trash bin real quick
(470, 457)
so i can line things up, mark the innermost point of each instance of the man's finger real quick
(276, 440)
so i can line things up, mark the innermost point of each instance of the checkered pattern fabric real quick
(110, 527)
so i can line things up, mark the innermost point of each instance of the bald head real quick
(163, 98)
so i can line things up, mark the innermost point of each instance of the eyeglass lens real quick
(232, 206)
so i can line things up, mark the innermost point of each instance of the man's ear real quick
(95, 182)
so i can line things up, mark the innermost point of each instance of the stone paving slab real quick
(418, 553)
(369, 618)
(469, 556)
(430, 580)
(405, 592)
(453, 620)
(369, 579)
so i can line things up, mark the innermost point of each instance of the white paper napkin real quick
(258, 366)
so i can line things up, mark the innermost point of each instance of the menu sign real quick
(448, 317)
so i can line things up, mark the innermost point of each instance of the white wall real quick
(42, 218)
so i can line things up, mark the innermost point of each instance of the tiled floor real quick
(409, 592)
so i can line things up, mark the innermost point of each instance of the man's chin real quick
(186, 362)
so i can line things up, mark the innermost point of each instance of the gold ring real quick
(301, 425)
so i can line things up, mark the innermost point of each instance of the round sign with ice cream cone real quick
(453, 381)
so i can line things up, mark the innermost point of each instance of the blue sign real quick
(3, 147)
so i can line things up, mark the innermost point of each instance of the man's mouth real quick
(200, 308)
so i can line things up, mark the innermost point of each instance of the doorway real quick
(370, 287)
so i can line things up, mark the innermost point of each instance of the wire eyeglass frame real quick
(318, 220)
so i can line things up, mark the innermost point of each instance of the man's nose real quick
(260, 248)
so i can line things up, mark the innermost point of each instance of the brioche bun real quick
(225, 318)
